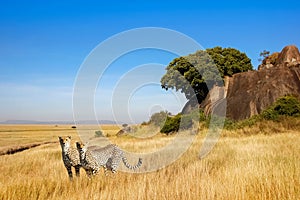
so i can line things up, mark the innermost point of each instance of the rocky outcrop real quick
(288, 57)
(269, 61)
(215, 102)
(249, 93)
(252, 92)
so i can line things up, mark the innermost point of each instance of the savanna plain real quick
(257, 162)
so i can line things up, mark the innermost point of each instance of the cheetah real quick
(107, 157)
(70, 156)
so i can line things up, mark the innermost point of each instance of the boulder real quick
(249, 93)
(252, 92)
(289, 56)
(269, 61)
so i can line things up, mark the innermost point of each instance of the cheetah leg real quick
(113, 170)
(77, 170)
(105, 171)
(69, 169)
(89, 173)
(115, 164)
(95, 171)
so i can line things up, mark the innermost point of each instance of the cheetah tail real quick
(130, 166)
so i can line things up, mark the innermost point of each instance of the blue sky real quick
(43, 44)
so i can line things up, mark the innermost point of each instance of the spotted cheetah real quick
(107, 157)
(70, 156)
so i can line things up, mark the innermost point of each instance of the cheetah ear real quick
(69, 137)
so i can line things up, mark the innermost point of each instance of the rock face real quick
(249, 93)
(215, 102)
(289, 57)
(252, 92)
(269, 61)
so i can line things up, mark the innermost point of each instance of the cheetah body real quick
(70, 156)
(107, 157)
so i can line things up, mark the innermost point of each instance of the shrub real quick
(99, 134)
(158, 119)
(269, 114)
(286, 106)
(182, 121)
(171, 125)
(144, 123)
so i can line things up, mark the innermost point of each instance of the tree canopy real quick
(196, 73)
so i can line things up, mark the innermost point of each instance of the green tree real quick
(194, 74)
(230, 61)
(184, 77)
(264, 54)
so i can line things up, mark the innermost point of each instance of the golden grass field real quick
(253, 166)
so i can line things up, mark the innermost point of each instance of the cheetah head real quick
(81, 149)
(65, 141)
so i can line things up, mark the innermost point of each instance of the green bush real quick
(183, 122)
(144, 123)
(171, 125)
(269, 114)
(158, 119)
(284, 106)
(232, 125)
(99, 134)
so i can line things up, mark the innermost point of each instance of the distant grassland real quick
(252, 166)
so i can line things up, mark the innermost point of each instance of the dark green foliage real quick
(144, 123)
(229, 60)
(171, 125)
(288, 106)
(158, 119)
(232, 125)
(196, 73)
(99, 134)
(184, 77)
(182, 122)
(269, 114)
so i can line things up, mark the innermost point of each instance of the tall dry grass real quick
(249, 167)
